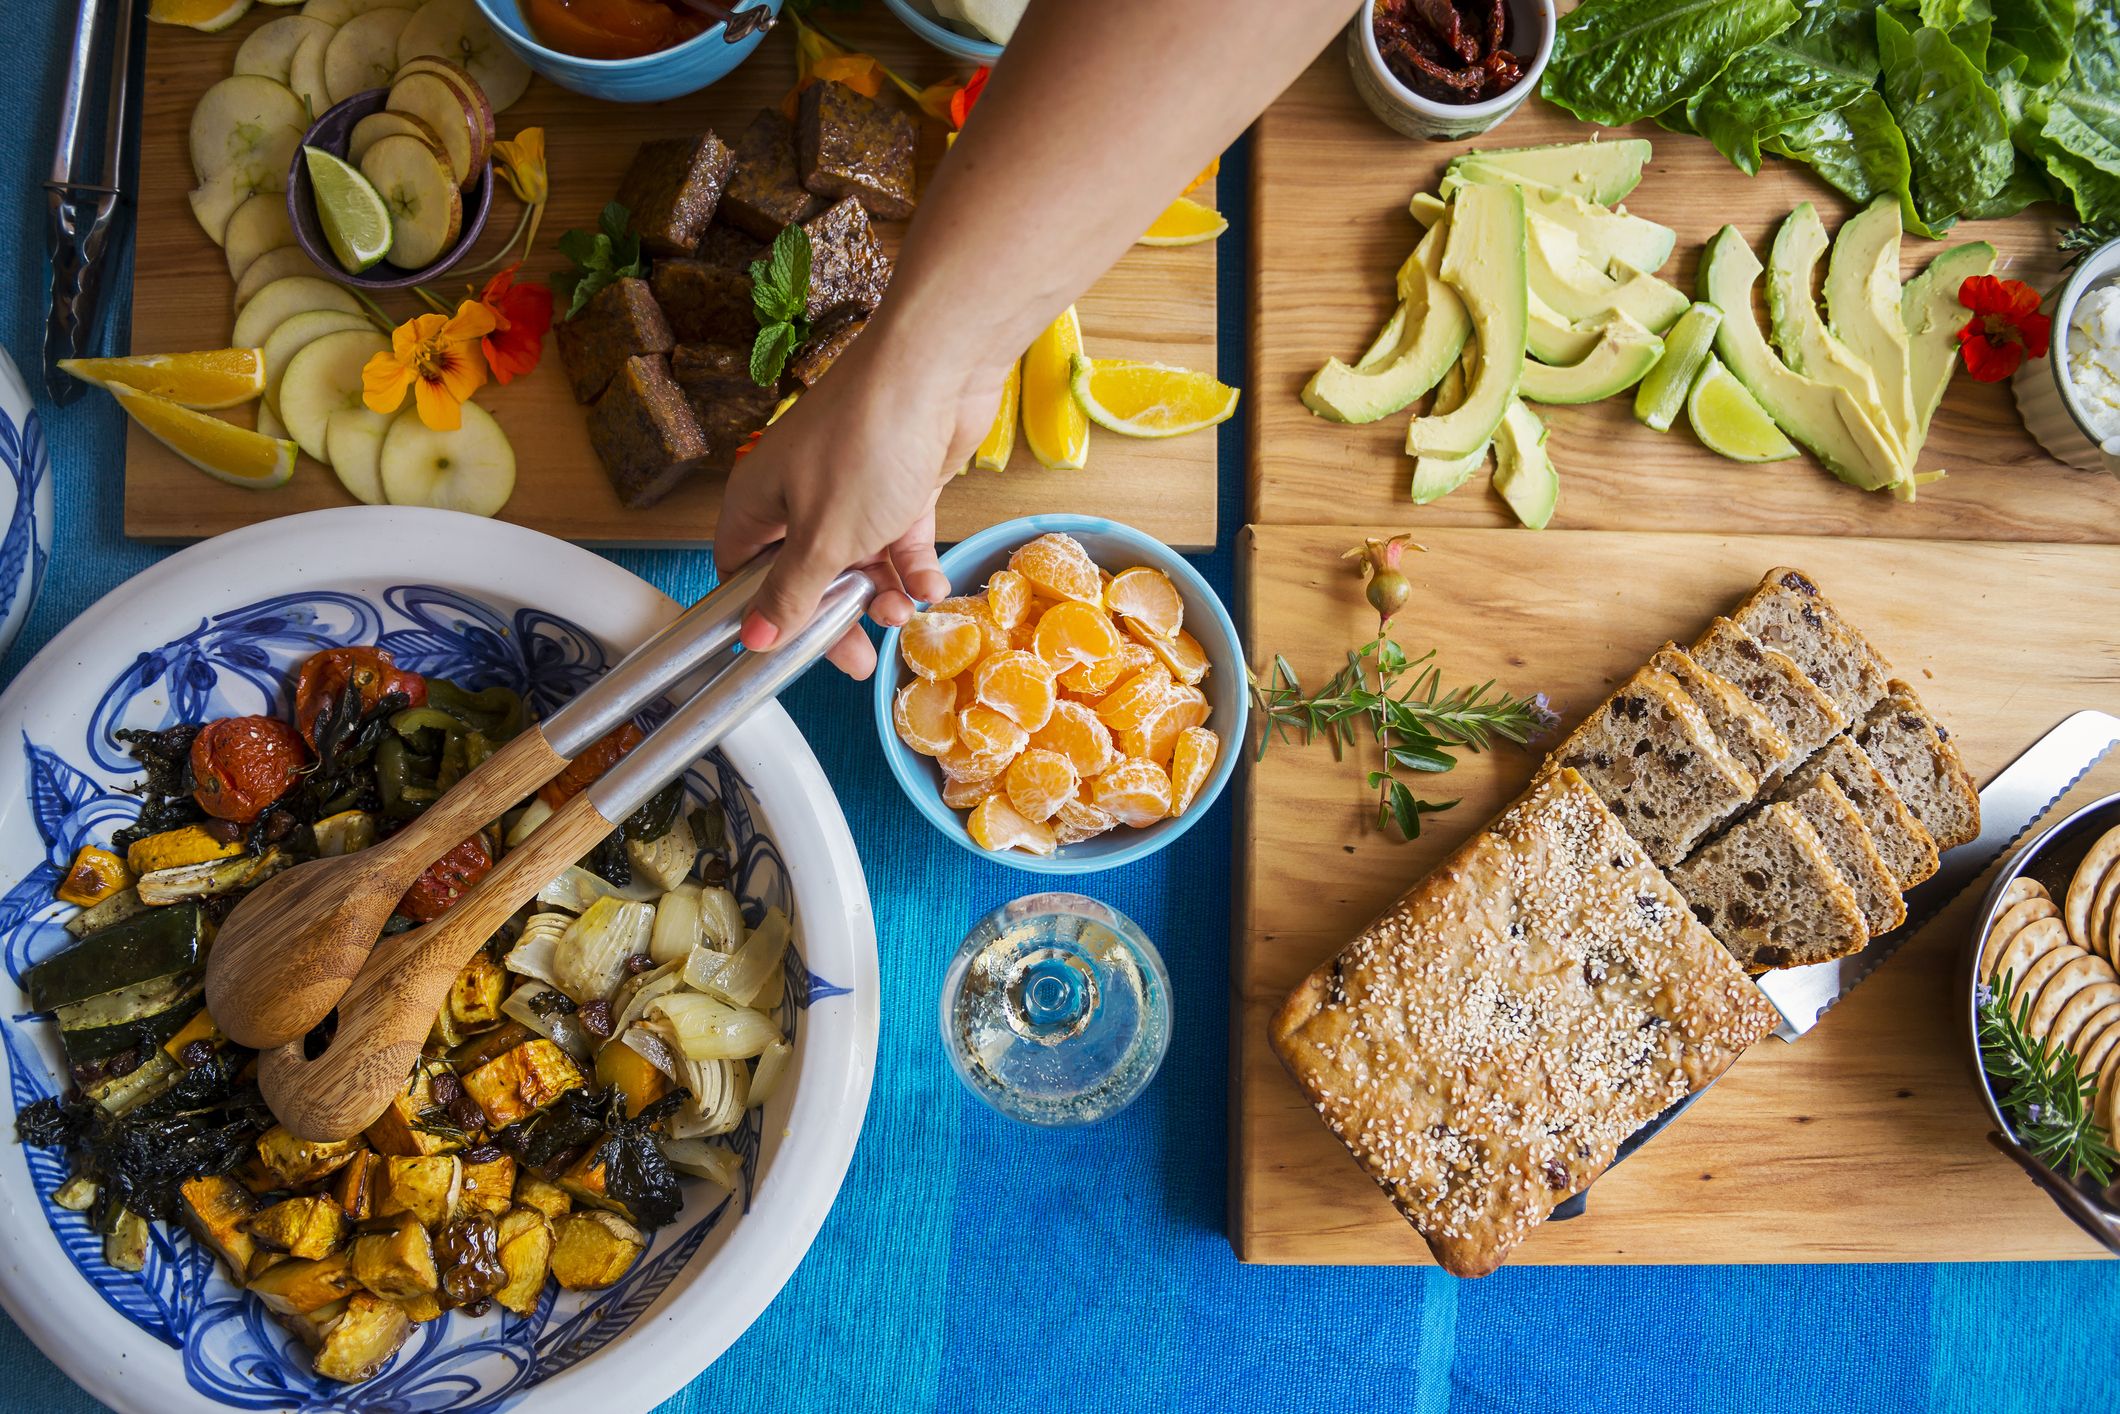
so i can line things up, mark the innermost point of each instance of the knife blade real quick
(2013, 802)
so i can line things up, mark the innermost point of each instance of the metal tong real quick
(83, 206)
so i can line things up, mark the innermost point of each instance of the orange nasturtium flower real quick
(820, 60)
(951, 101)
(437, 357)
(522, 162)
(521, 316)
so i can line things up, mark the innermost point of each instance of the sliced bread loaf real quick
(1787, 613)
(1767, 889)
(1795, 704)
(1651, 756)
(1909, 850)
(1745, 731)
(1914, 752)
(1827, 809)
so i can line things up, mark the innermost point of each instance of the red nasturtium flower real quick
(521, 316)
(962, 100)
(2006, 327)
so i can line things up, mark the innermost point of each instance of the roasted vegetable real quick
(215, 1209)
(535, 1191)
(241, 765)
(95, 875)
(347, 832)
(353, 1187)
(415, 1124)
(592, 956)
(201, 1027)
(592, 1250)
(173, 849)
(397, 1263)
(296, 1287)
(125, 1244)
(664, 860)
(489, 1185)
(165, 793)
(263, 1260)
(135, 1018)
(467, 1250)
(641, 1083)
(522, 1081)
(346, 682)
(475, 997)
(422, 1308)
(427, 1187)
(361, 1342)
(301, 1227)
(157, 943)
(624, 1170)
(526, 1239)
(118, 1091)
(299, 1162)
(77, 1194)
(212, 879)
(117, 908)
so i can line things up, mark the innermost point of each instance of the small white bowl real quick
(2046, 398)
(1404, 111)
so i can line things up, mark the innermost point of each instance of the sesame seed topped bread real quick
(1826, 807)
(1484, 1048)
(1769, 891)
(1745, 731)
(1650, 754)
(1787, 613)
(1914, 752)
(1805, 715)
(1909, 850)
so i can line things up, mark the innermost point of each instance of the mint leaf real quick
(614, 220)
(579, 247)
(780, 281)
(776, 343)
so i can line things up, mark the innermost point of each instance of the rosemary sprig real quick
(2049, 1101)
(1398, 702)
(2079, 241)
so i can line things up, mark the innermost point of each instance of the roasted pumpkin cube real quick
(397, 1264)
(201, 1027)
(94, 876)
(593, 1250)
(297, 1162)
(400, 1129)
(296, 1287)
(263, 1260)
(362, 1342)
(526, 1238)
(173, 849)
(475, 996)
(640, 1082)
(522, 1081)
(215, 1209)
(584, 1180)
(315, 1325)
(301, 1227)
(488, 1187)
(426, 1187)
(353, 1187)
(422, 1308)
(533, 1190)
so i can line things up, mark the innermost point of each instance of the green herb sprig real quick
(604, 256)
(2080, 240)
(1418, 726)
(2049, 1100)
(780, 292)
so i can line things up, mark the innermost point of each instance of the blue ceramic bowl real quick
(652, 78)
(1114, 547)
(969, 48)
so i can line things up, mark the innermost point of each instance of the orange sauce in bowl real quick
(612, 29)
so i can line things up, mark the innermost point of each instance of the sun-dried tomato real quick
(241, 765)
(448, 879)
(324, 678)
(600, 756)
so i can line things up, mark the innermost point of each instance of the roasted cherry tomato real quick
(241, 765)
(435, 892)
(325, 676)
(600, 756)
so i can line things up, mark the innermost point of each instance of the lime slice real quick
(355, 218)
(1663, 392)
(1730, 421)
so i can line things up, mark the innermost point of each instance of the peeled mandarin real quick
(1018, 685)
(1096, 679)
(1072, 634)
(940, 645)
(1039, 783)
(983, 730)
(993, 637)
(925, 714)
(1131, 701)
(1135, 793)
(1059, 567)
(1008, 597)
(995, 824)
(1181, 653)
(1146, 598)
(1074, 731)
(1078, 820)
(1157, 736)
(963, 795)
(961, 763)
(1191, 764)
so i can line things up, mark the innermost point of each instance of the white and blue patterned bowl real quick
(25, 502)
(216, 630)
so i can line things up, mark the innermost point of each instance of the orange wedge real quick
(1137, 399)
(218, 378)
(1184, 222)
(222, 450)
(999, 443)
(207, 15)
(1054, 426)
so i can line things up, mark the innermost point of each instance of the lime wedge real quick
(1663, 392)
(355, 218)
(1728, 420)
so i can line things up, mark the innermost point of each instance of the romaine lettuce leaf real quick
(1953, 124)
(2043, 31)
(1858, 148)
(1820, 64)
(1615, 61)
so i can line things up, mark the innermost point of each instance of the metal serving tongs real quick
(83, 205)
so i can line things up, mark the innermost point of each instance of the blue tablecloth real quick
(975, 1264)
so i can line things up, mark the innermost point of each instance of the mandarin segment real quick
(1060, 568)
(1073, 634)
(993, 637)
(1181, 653)
(963, 795)
(1018, 685)
(1008, 597)
(985, 732)
(1096, 679)
(961, 763)
(1078, 820)
(1039, 782)
(1191, 764)
(1135, 793)
(925, 714)
(1157, 736)
(996, 825)
(1145, 598)
(1128, 704)
(1074, 731)
(940, 645)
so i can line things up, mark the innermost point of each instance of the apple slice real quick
(471, 469)
(354, 439)
(468, 89)
(363, 54)
(383, 124)
(456, 31)
(269, 424)
(337, 12)
(272, 265)
(214, 201)
(246, 122)
(258, 225)
(282, 300)
(305, 74)
(426, 210)
(439, 104)
(268, 51)
(322, 379)
(298, 332)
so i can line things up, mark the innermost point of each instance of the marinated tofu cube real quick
(407, 1126)
(475, 997)
(399, 1263)
(645, 434)
(727, 405)
(522, 1081)
(765, 192)
(353, 1187)
(826, 344)
(297, 1288)
(729, 248)
(848, 269)
(489, 1187)
(363, 1339)
(296, 1162)
(705, 303)
(427, 1187)
(850, 145)
(301, 1227)
(533, 1191)
(215, 1209)
(621, 321)
(526, 1238)
(593, 1250)
(672, 188)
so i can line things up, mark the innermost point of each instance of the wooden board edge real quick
(1238, 1216)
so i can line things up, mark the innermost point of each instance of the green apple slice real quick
(258, 225)
(471, 469)
(281, 300)
(420, 195)
(354, 439)
(322, 379)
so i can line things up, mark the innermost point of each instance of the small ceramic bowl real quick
(651, 78)
(2051, 859)
(2046, 399)
(1114, 547)
(1404, 111)
(919, 17)
(332, 133)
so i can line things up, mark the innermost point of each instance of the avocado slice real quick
(1436, 477)
(1427, 207)
(1603, 172)
(1604, 234)
(1825, 418)
(1523, 473)
(1688, 346)
(1483, 260)
(1862, 304)
(1625, 351)
(1811, 348)
(1553, 339)
(1576, 291)
(1930, 310)
(1418, 345)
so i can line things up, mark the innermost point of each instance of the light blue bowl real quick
(652, 78)
(958, 46)
(1114, 547)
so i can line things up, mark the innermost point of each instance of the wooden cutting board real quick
(1330, 226)
(1865, 1141)
(1157, 303)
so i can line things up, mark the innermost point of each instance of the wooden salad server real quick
(283, 957)
(384, 1014)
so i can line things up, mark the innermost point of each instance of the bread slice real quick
(1804, 714)
(1909, 850)
(1826, 807)
(1650, 754)
(1769, 891)
(1745, 731)
(1914, 752)
(1787, 613)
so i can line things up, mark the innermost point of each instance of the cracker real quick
(2008, 925)
(2041, 971)
(2085, 1009)
(2105, 903)
(2022, 888)
(2031, 942)
(2068, 980)
(2082, 888)
(2099, 1039)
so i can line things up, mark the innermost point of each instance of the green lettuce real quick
(1955, 133)
(1820, 64)
(1616, 61)
(2044, 31)
(1857, 148)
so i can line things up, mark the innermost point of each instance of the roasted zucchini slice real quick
(158, 943)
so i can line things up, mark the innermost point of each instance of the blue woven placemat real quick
(972, 1264)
